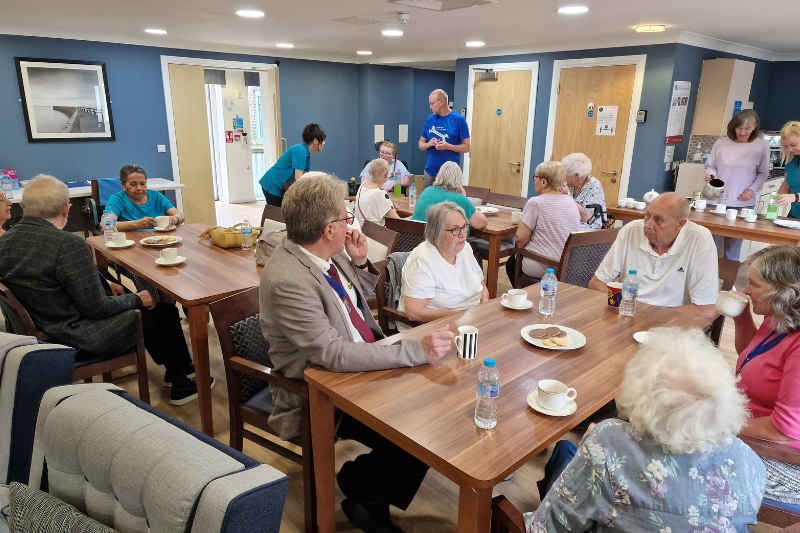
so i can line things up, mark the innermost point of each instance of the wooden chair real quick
(728, 270)
(506, 200)
(770, 514)
(476, 192)
(583, 253)
(274, 214)
(505, 517)
(385, 311)
(383, 241)
(248, 371)
(86, 366)
(411, 233)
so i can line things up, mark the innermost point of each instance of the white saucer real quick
(168, 228)
(715, 212)
(127, 244)
(528, 305)
(794, 224)
(487, 210)
(533, 400)
(574, 338)
(641, 336)
(160, 261)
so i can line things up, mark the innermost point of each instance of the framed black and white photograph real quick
(65, 100)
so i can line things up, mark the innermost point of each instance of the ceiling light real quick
(572, 10)
(364, 53)
(155, 31)
(250, 13)
(651, 28)
(475, 44)
(392, 33)
(284, 45)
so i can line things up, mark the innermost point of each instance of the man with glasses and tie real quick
(314, 311)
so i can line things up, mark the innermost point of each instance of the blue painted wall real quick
(783, 103)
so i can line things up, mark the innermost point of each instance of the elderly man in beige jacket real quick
(314, 311)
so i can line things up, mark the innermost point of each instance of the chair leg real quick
(88, 380)
(309, 480)
(141, 368)
(107, 377)
(236, 440)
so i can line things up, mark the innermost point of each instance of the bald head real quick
(45, 197)
(673, 203)
(663, 219)
(438, 93)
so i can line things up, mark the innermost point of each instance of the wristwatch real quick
(797, 197)
(362, 266)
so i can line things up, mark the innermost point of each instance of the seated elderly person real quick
(769, 363)
(675, 259)
(136, 207)
(447, 187)
(372, 202)
(53, 275)
(441, 276)
(547, 220)
(314, 311)
(585, 188)
(674, 465)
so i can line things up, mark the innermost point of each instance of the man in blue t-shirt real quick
(444, 136)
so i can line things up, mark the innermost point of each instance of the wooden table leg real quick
(198, 332)
(474, 510)
(322, 444)
(100, 260)
(493, 268)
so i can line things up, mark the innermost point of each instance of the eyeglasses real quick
(459, 230)
(349, 220)
(3, 197)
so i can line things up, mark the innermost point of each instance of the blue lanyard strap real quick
(336, 286)
(761, 347)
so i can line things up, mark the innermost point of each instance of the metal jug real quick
(713, 189)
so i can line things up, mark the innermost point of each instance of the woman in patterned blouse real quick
(676, 465)
(585, 189)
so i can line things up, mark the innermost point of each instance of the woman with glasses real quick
(397, 170)
(547, 220)
(447, 188)
(5, 211)
(441, 276)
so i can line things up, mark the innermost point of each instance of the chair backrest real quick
(583, 253)
(104, 188)
(17, 318)
(476, 192)
(506, 200)
(382, 241)
(412, 233)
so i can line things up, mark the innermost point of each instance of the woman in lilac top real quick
(741, 160)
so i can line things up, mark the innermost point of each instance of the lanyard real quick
(761, 347)
(337, 287)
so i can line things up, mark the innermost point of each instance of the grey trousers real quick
(427, 179)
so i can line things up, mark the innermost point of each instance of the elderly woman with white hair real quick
(441, 276)
(675, 465)
(447, 188)
(585, 189)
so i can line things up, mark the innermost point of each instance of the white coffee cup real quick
(553, 395)
(699, 205)
(639, 205)
(516, 216)
(516, 297)
(169, 255)
(721, 208)
(752, 217)
(162, 222)
(467, 342)
(730, 304)
(731, 214)
(119, 239)
(745, 211)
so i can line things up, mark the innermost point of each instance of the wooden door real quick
(187, 84)
(575, 130)
(499, 126)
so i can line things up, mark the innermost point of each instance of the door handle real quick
(518, 164)
(612, 173)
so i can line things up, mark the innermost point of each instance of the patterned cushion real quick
(249, 343)
(407, 242)
(34, 511)
(583, 263)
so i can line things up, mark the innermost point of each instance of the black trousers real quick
(386, 475)
(163, 338)
(272, 199)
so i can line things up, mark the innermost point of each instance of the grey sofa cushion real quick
(36, 511)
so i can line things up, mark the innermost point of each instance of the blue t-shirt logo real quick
(452, 129)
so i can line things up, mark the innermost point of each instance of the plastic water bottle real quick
(7, 186)
(109, 224)
(487, 393)
(247, 235)
(630, 290)
(547, 305)
(412, 195)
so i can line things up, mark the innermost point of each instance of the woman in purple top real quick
(741, 160)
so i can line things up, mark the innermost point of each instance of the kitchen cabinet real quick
(723, 82)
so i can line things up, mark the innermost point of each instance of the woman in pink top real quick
(547, 220)
(769, 363)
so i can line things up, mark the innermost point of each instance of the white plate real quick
(574, 338)
(128, 243)
(168, 228)
(160, 245)
(487, 210)
(715, 212)
(788, 223)
(533, 400)
(528, 305)
(641, 336)
(160, 261)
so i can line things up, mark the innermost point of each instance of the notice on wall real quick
(669, 154)
(679, 104)
(228, 102)
(378, 133)
(228, 137)
(606, 120)
(402, 135)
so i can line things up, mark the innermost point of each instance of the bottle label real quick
(247, 231)
(489, 391)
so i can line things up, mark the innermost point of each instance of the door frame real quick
(533, 66)
(166, 61)
(639, 61)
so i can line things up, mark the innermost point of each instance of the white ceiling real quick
(432, 39)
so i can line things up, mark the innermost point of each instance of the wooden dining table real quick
(210, 273)
(429, 410)
(500, 227)
(761, 230)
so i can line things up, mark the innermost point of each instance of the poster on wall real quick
(606, 120)
(65, 100)
(679, 104)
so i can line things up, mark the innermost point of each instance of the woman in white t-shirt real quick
(441, 276)
(372, 202)
(397, 170)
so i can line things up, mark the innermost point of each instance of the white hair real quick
(45, 197)
(680, 390)
(578, 164)
(449, 177)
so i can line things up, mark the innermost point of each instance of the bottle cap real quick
(489, 362)
(632, 272)
(550, 271)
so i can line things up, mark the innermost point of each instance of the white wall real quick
(240, 172)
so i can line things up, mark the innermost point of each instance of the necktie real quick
(355, 318)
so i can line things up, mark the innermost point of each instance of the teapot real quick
(713, 189)
(650, 196)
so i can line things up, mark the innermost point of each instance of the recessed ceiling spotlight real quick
(651, 28)
(284, 45)
(364, 53)
(392, 33)
(572, 10)
(475, 44)
(252, 13)
(155, 31)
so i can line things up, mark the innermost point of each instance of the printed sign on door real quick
(228, 137)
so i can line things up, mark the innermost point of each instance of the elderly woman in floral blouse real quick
(585, 189)
(675, 465)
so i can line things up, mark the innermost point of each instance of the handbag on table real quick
(226, 237)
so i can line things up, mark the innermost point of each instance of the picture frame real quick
(65, 100)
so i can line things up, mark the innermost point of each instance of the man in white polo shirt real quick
(675, 260)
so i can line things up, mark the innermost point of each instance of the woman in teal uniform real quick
(294, 162)
(789, 193)
(136, 207)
